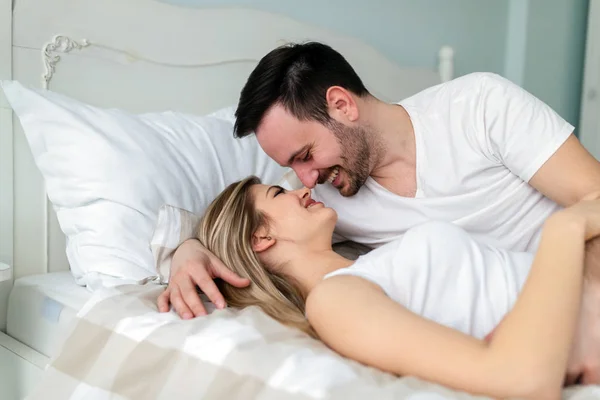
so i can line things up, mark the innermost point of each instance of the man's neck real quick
(395, 166)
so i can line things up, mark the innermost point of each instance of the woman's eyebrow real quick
(273, 187)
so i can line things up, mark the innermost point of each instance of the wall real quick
(408, 32)
(538, 44)
(553, 68)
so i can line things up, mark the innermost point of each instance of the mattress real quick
(40, 308)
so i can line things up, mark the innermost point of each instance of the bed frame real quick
(141, 56)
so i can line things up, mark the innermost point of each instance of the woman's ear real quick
(261, 240)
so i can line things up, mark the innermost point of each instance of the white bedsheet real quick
(41, 306)
(121, 347)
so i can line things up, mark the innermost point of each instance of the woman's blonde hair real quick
(227, 229)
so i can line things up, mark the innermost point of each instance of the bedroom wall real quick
(407, 31)
(539, 44)
(6, 141)
(553, 68)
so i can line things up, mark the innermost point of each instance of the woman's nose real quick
(304, 192)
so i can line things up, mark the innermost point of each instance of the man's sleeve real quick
(521, 131)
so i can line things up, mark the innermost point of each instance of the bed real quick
(80, 49)
(175, 52)
(141, 56)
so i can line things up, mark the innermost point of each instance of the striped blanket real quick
(120, 347)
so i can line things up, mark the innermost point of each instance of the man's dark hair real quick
(297, 76)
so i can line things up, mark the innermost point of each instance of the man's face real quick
(318, 153)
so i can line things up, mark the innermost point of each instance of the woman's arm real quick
(525, 358)
(584, 358)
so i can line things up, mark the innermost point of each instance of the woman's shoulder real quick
(435, 230)
(418, 247)
(373, 267)
(444, 237)
(429, 235)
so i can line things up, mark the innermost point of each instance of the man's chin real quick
(347, 191)
(351, 187)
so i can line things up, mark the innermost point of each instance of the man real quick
(478, 151)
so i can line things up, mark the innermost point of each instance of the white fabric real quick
(107, 173)
(228, 354)
(440, 273)
(479, 139)
(40, 307)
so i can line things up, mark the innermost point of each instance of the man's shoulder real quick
(466, 85)
(473, 82)
(459, 95)
(475, 79)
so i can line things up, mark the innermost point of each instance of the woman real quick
(389, 308)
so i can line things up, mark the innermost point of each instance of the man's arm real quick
(195, 266)
(533, 141)
(569, 174)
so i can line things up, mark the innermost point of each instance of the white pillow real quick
(108, 172)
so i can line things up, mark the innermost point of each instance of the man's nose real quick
(307, 176)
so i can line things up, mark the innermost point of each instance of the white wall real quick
(409, 32)
(539, 44)
(6, 140)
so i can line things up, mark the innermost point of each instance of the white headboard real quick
(142, 55)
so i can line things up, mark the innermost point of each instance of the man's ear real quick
(341, 104)
(262, 240)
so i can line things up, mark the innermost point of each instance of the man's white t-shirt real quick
(441, 273)
(479, 140)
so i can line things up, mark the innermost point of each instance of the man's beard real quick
(357, 156)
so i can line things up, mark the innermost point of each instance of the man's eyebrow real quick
(297, 153)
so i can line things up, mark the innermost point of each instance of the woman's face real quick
(294, 215)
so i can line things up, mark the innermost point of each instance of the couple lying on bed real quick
(475, 197)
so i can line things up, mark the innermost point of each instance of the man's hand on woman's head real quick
(193, 267)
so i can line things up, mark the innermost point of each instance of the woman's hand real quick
(586, 211)
(583, 366)
(584, 361)
(194, 266)
(592, 260)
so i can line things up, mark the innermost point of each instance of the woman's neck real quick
(309, 267)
